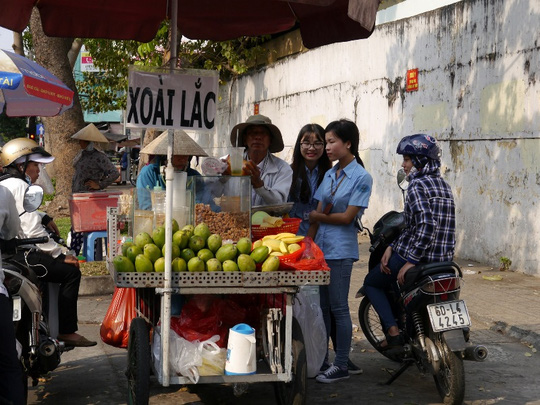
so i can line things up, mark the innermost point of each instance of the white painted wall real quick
(479, 63)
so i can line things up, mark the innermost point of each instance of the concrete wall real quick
(478, 62)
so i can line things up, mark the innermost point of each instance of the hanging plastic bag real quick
(312, 258)
(114, 329)
(308, 313)
(213, 357)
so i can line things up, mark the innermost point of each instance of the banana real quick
(296, 239)
(273, 244)
(283, 247)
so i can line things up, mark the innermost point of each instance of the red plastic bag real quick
(115, 326)
(312, 258)
(204, 316)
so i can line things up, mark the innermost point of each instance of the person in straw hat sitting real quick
(93, 171)
(271, 177)
(150, 175)
(93, 168)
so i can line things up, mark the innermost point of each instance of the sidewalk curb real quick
(523, 335)
(96, 285)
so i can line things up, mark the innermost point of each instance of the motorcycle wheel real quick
(370, 322)
(450, 379)
(294, 392)
(138, 369)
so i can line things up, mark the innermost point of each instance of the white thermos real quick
(241, 352)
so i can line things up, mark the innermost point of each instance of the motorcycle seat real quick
(419, 272)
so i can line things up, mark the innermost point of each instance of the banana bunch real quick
(281, 244)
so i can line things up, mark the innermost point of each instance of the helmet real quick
(20, 147)
(420, 145)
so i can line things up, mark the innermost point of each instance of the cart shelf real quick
(223, 279)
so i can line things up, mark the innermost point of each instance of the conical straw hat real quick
(90, 133)
(183, 145)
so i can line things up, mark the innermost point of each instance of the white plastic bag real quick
(308, 313)
(213, 357)
(184, 356)
(44, 180)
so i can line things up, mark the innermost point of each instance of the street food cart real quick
(280, 343)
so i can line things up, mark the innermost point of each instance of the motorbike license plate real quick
(448, 315)
(16, 308)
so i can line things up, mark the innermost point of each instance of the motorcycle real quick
(39, 350)
(433, 321)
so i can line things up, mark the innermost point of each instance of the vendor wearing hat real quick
(271, 176)
(93, 168)
(93, 171)
(150, 175)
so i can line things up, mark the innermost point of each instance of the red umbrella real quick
(321, 21)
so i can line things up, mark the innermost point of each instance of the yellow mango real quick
(295, 239)
(285, 235)
(276, 254)
(293, 247)
(257, 243)
(283, 247)
(273, 244)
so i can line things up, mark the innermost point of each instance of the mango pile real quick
(280, 244)
(194, 249)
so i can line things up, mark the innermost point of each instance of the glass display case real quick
(224, 204)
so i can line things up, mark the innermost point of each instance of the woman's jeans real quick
(375, 284)
(335, 298)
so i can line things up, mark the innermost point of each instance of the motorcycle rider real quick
(21, 158)
(429, 235)
(11, 377)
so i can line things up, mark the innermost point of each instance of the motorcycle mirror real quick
(33, 197)
(402, 181)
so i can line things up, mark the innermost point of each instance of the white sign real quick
(87, 63)
(182, 99)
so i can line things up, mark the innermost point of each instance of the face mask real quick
(28, 179)
(90, 147)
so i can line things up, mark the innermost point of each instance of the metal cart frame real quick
(279, 282)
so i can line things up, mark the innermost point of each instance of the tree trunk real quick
(52, 54)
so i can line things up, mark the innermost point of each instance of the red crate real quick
(89, 210)
(289, 225)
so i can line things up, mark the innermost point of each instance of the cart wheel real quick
(294, 392)
(138, 368)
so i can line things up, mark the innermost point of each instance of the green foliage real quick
(64, 226)
(106, 90)
(505, 263)
(12, 127)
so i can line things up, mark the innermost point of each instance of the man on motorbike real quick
(21, 158)
(11, 377)
(429, 235)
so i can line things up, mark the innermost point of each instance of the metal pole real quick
(169, 175)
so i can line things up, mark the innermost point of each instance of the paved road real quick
(95, 376)
(509, 376)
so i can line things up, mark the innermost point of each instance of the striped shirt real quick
(430, 218)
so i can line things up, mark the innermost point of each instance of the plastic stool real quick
(88, 245)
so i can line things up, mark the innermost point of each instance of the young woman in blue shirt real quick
(343, 195)
(310, 163)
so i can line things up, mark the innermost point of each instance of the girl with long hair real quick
(310, 163)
